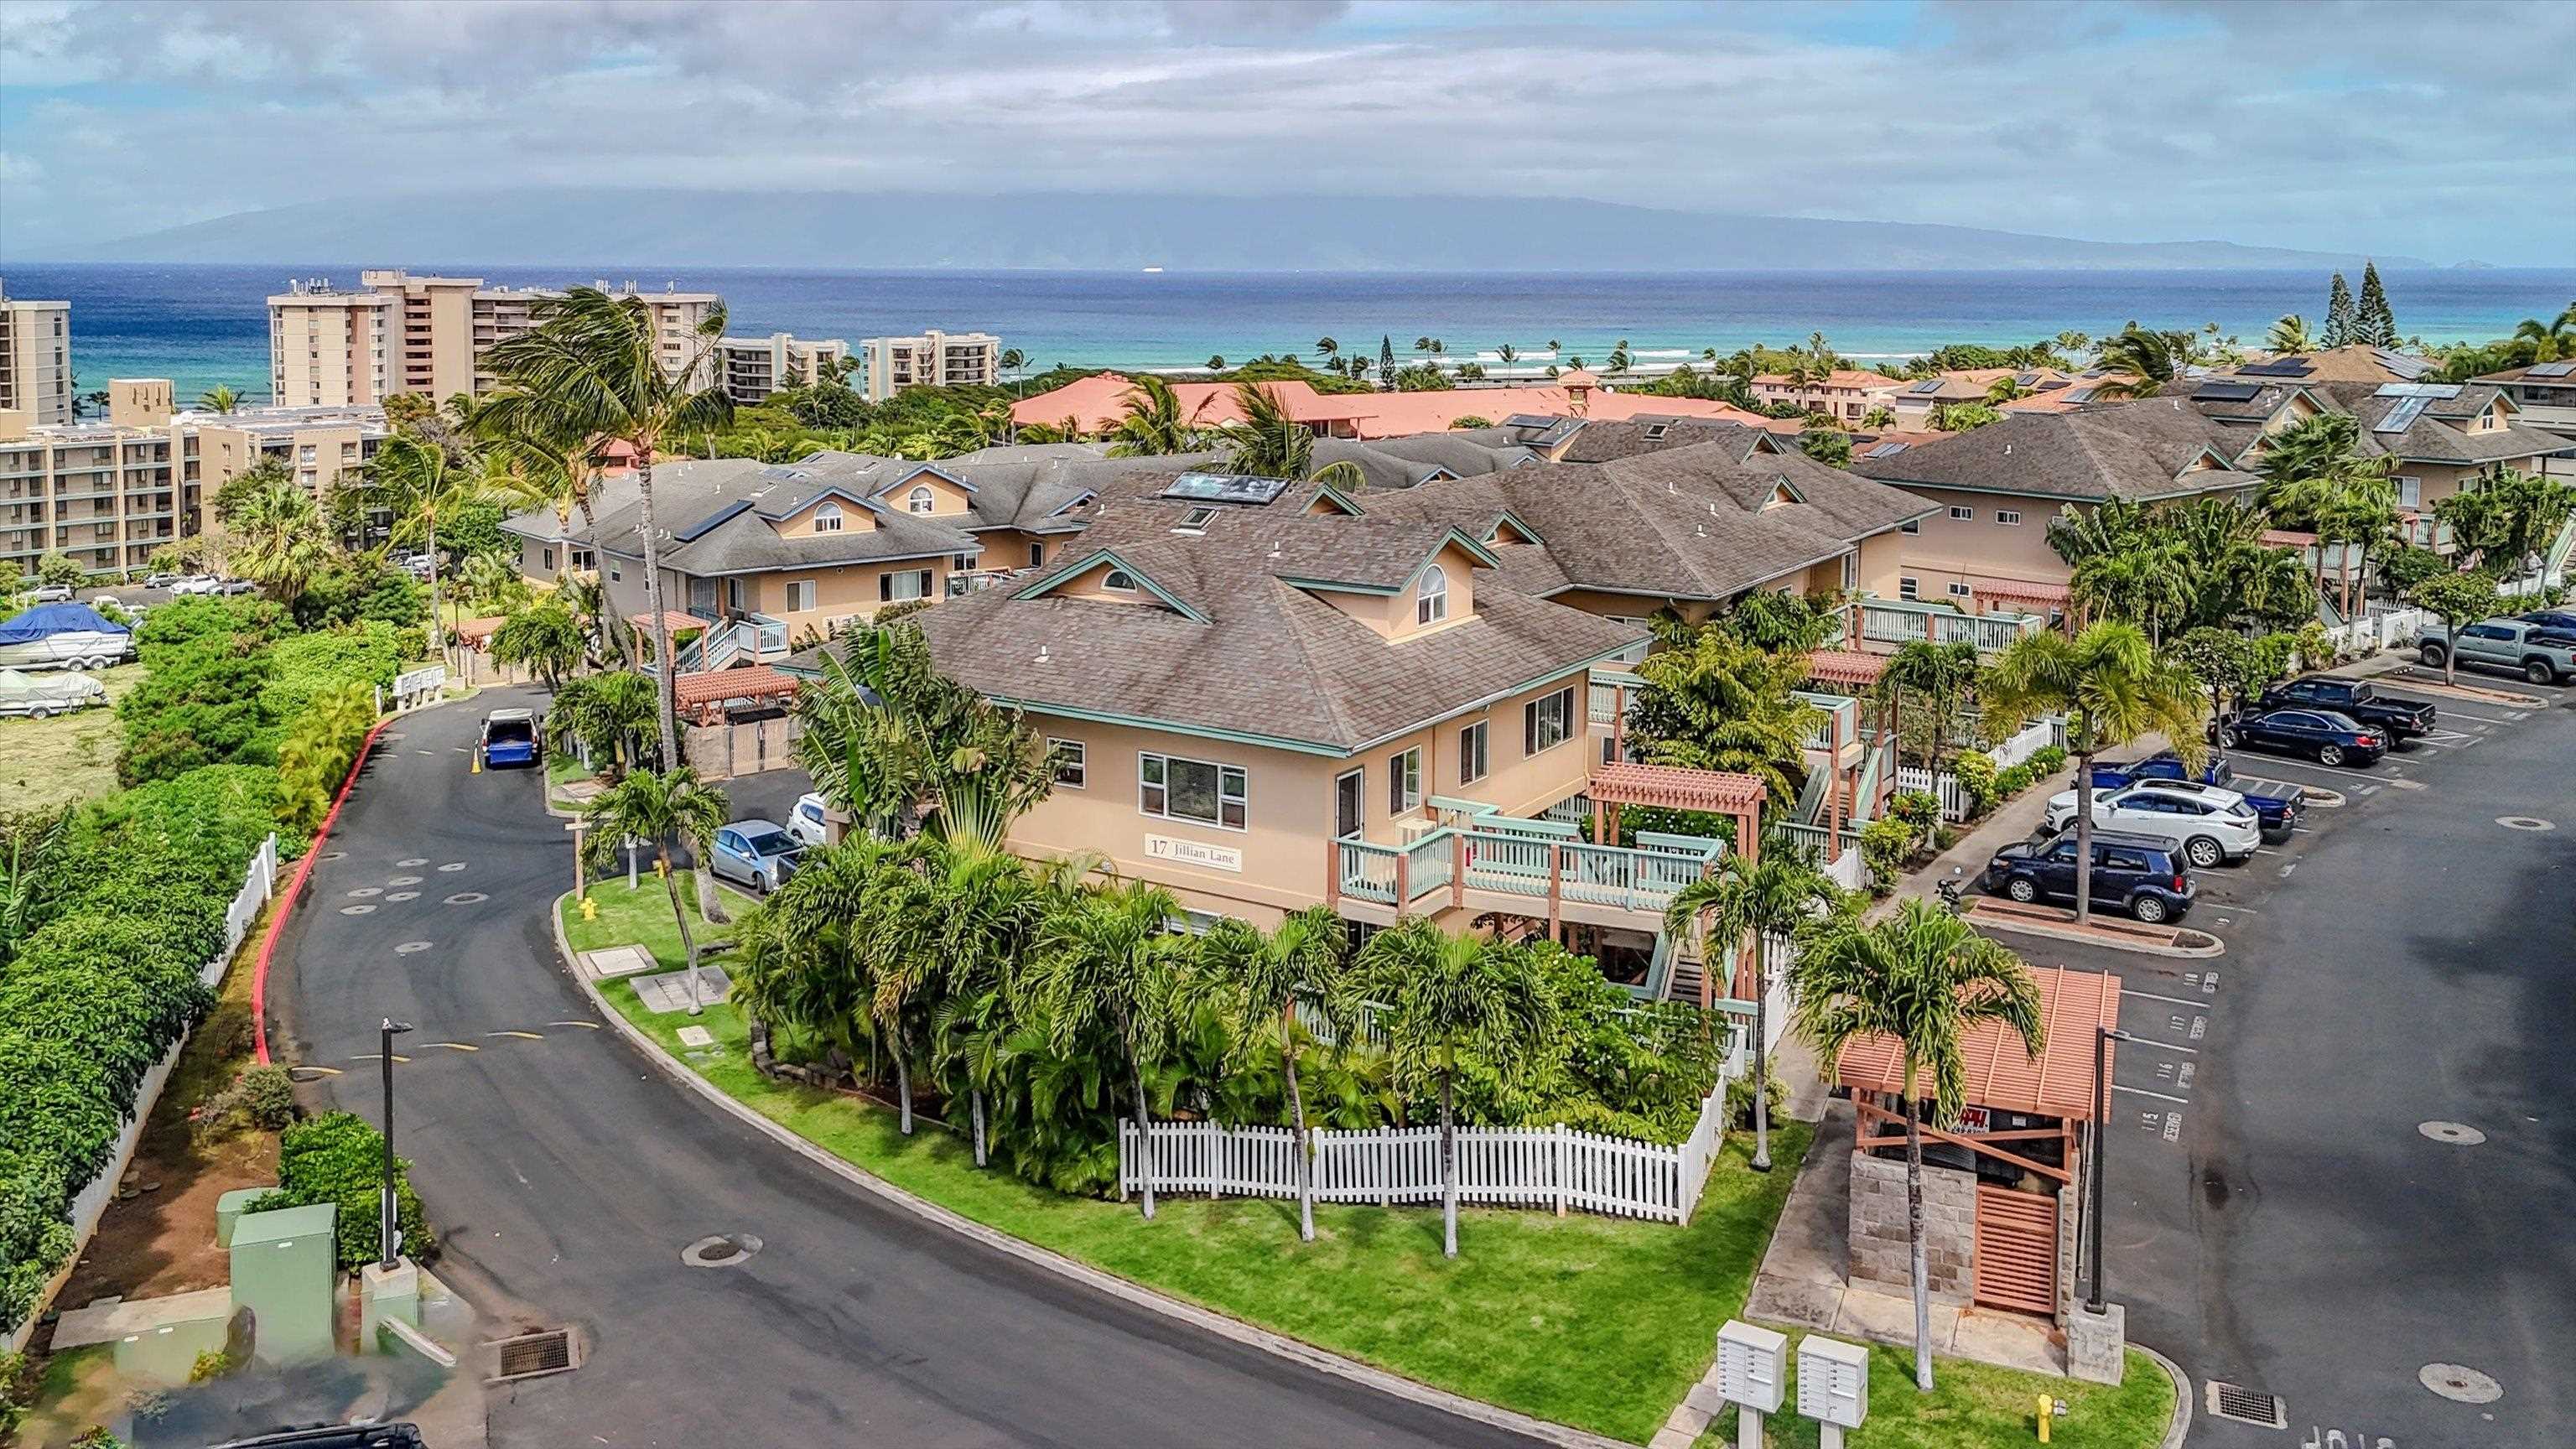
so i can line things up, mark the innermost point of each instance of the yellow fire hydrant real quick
(589, 909)
(2047, 1411)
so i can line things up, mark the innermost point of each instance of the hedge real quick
(338, 1158)
(128, 908)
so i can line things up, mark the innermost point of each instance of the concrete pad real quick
(696, 1036)
(1889, 1318)
(617, 961)
(2010, 1339)
(111, 1319)
(669, 991)
(1785, 1300)
(1669, 1438)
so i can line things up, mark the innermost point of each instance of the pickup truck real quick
(2278, 811)
(2534, 651)
(2357, 699)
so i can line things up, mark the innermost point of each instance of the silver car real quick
(756, 853)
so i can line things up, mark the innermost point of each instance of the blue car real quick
(509, 738)
(2278, 812)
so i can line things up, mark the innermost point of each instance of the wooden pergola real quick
(1673, 787)
(708, 691)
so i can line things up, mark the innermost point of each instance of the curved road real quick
(565, 1176)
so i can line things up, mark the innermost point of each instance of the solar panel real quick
(2277, 367)
(1528, 420)
(1885, 450)
(1225, 488)
(2402, 416)
(2553, 369)
(2442, 390)
(1925, 389)
(2025, 379)
(2227, 392)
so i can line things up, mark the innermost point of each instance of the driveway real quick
(565, 1176)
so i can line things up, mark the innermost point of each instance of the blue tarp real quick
(46, 620)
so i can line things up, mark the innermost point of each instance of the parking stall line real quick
(2151, 996)
(2143, 1092)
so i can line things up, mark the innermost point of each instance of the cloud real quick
(2128, 122)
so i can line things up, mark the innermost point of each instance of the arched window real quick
(827, 519)
(1118, 581)
(920, 499)
(1431, 601)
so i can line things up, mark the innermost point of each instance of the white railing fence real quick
(2026, 742)
(2378, 630)
(1954, 796)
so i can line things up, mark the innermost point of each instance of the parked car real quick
(805, 823)
(756, 853)
(2279, 808)
(161, 580)
(43, 696)
(50, 594)
(2139, 874)
(2399, 718)
(509, 738)
(196, 584)
(2530, 650)
(236, 586)
(2334, 739)
(2209, 824)
(2556, 621)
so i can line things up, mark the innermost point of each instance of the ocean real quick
(201, 325)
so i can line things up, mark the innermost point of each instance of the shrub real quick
(261, 1097)
(1884, 846)
(1976, 774)
(338, 1158)
(318, 752)
(2047, 760)
(309, 666)
(1919, 810)
(213, 1364)
(2013, 779)
(1739, 1101)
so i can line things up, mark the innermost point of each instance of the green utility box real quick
(284, 1265)
(229, 1207)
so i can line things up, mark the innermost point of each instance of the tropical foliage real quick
(888, 738)
(339, 1158)
(664, 808)
(2508, 517)
(1717, 701)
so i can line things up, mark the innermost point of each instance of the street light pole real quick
(2103, 1036)
(386, 1214)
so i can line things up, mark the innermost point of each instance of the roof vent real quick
(2007, 450)
(1703, 530)
(1275, 551)
(1042, 655)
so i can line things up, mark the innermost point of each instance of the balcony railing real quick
(1532, 860)
(1901, 621)
(1840, 721)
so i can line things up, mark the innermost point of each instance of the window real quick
(1547, 721)
(1475, 761)
(1961, 513)
(827, 519)
(800, 595)
(894, 588)
(1907, 588)
(1347, 789)
(2008, 517)
(1178, 789)
(920, 500)
(1037, 554)
(1196, 521)
(1911, 525)
(1071, 761)
(548, 556)
(1960, 591)
(1118, 581)
(1851, 570)
(2410, 491)
(733, 595)
(616, 574)
(1431, 601)
(1404, 781)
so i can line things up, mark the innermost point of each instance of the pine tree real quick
(1385, 363)
(2340, 321)
(2373, 322)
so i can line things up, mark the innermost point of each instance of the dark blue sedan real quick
(2328, 737)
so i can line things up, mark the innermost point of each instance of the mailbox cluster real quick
(1752, 1370)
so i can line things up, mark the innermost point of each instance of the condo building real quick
(754, 367)
(36, 358)
(934, 359)
(331, 346)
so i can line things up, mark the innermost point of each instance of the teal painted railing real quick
(1526, 858)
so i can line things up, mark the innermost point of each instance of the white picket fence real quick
(1549, 1167)
(2030, 740)
(1954, 798)
(2376, 631)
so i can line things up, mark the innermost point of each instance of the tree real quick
(1829, 446)
(1216, 362)
(1328, 349)
(1152, 425)
(544, 637)
(2290, 334)
(279, 540)
(2223, 660)
(2112, 687)
(1963, 417)
(2148, 360)
(1943, 675)
(60, 570)
(1717, 702)
(419, 483)
(2456, 599)
(1881, 416)
(1744, 906)
(2006, 389)
(661, 806)
(610, 715)
(2373, 322)
(1109, 963)
(1386, 362)
(2507, 517)
(1013, 361)
(1923, 979)
(2543, 341)
(221, 398)
(2342, 318)
(1269, 443)
(1448, 994)
(1507, 354)
(593, 366)
(1260, 977)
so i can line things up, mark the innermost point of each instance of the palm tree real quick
(1944, 673)
(417, 481)
(1921, 978)
(2290, 334)
(2112, 687)
(2551, 340)
(546, 638)
(1268, 443)
(2149, 360)
(1012, 361)
(606, 714)
(662, 806)
(1448, 993)
(1328, 349)
(1750, 904)
(1718, 702)
(1109, 963)
(592, 365)
(221, 398)
(1881, 416)
(1262, 976)
(1152, 426)
(2005, 389)
(280, 540)
(1507, 354)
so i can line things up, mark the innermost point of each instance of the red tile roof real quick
(709, 686)
(2000, 1072)
(1097, 402)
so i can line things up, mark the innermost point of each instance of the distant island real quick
(1076, 231)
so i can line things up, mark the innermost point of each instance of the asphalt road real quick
(565, 1177)
(2277, 1219)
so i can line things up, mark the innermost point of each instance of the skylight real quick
(1226, 488)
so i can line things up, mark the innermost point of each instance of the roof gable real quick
(1105, 561)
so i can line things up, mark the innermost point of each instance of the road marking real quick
(2285, 870)
(584, 1025)
(308, 1067)
(2151, 996)
(2490, 719)
(2167, 1046)
(2173, 1126)
(2143, 1092)
(2337, 769)
(2209, 984)
(521, 1035)
(2364, 790)
(377, 1057)
(454, 1046)
(2265, 850)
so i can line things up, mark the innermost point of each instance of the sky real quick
(2402, 129)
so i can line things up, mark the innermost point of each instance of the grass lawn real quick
(76, 1390)
(1596, 1322)
(66, 759)
(1975, 1403)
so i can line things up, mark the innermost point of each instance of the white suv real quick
(2209, 824)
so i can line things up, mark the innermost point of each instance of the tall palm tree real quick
(1153, 425)
(1109, 964)
(1508, 354)
(221, 398)
(2551, 340)
(2149, 359)
(2290, 334)
(279, 539)
(419, 482)
(1453, 994)
(1922, 977)
(1261, 976)
(1268, 443)
(592, 365)
(1944, 674)
(990, 904)
(2112, 687)
(1744, 906)
(1328, 349)
(662, 807)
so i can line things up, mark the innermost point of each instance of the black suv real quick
(2139, 874)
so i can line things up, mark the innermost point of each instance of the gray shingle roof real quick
(1600, 442)
(2128, 450)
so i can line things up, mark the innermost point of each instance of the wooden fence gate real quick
(2017, 1249)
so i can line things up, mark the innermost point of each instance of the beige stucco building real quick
(36, 358)
(752, 368)
(933, 359)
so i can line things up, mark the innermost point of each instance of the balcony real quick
(1902, 621)
(1524, 867)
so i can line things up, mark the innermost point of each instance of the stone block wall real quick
(1880, 1249)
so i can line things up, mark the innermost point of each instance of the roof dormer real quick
(928, 492)
(1107, 578)
(1438, 593)
(832, 512)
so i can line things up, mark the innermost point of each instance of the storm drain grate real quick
(2245, 1406)
(532, 1354)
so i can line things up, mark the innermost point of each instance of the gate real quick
(2017, 1250)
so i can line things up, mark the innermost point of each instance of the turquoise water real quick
(200, 325)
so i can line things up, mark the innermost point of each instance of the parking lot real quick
(2339, 1152)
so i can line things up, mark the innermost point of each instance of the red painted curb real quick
(286, 902)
